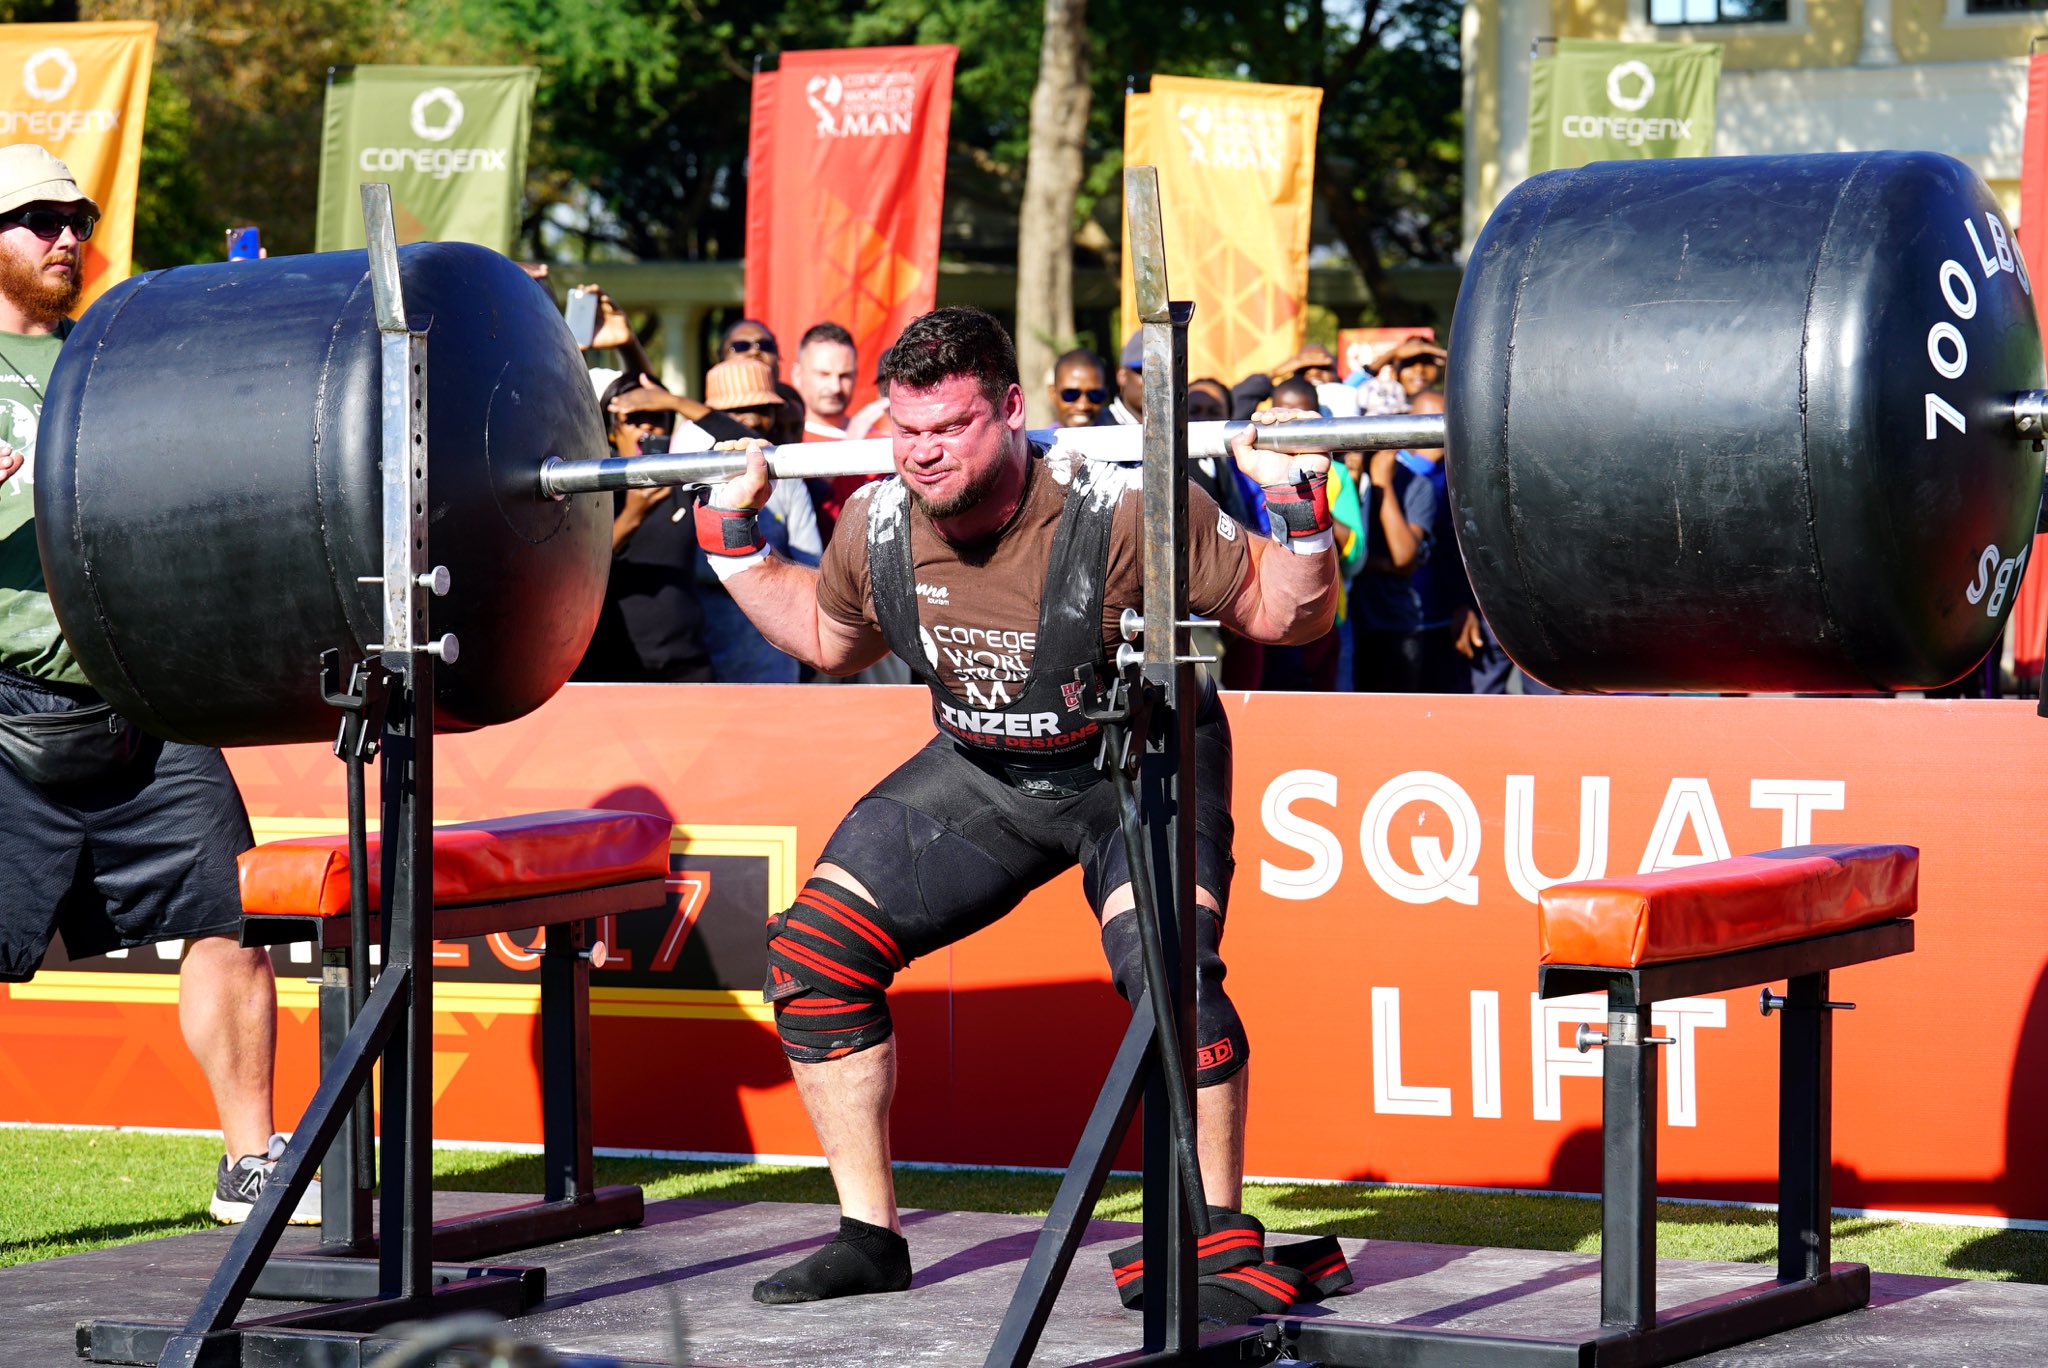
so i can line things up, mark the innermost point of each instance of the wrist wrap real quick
(1302, 508)
(729, 531)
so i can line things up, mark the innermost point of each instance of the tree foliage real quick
(640, 131)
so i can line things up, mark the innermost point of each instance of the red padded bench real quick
(1791, 914)
(553, 869)
(487, 875)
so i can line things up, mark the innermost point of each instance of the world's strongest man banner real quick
(846, 178)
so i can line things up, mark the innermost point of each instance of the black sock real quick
(863, 1258)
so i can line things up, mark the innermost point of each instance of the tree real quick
(1052, 182)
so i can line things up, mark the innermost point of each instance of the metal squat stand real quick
(1148, 715)
(1148, 720)
(394, 1024)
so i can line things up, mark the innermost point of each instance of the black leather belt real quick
(1040, 781)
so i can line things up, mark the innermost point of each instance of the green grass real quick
(71, 1190)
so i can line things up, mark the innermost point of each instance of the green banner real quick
(450, 141)
(1621, 101)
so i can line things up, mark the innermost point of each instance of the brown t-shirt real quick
(978, 604)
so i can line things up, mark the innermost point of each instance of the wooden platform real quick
(609, 1296)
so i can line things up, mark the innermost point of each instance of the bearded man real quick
(113, 838)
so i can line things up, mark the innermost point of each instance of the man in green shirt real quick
(115, 844)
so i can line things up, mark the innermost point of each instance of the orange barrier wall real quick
(1381, 946)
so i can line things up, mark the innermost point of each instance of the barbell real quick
(1716, 424)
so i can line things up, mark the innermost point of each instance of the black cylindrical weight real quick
(208, 490)
(1744, 423)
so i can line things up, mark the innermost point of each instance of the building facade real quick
(1796, 76)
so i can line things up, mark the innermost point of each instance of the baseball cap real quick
(30, 175)
(1134, 352)
(740, 382)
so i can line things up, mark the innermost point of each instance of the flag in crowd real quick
(1236, 186)
(1594, 101)
(449, 141)
(845, 189)
(79, 90)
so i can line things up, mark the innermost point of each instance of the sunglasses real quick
(1073, 396)
(740, 346)
(49, 224)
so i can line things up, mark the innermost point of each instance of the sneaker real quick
(237, 1186)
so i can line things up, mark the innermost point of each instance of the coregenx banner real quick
(79, 90)
(450, 142)
(1598, 101)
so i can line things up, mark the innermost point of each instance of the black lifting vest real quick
(1040, 742)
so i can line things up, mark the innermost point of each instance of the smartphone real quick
(244, 244)
(581, 312)
(654, 444)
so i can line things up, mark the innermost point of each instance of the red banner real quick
(2029, 625)
(846, 179)
(1382, 943)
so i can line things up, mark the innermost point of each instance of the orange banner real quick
(1382, 943)
(846, 180)
(1237, 167)
(2028, 627)
(80, 90)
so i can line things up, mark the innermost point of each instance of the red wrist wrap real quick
(1303, 508)
(729, 531)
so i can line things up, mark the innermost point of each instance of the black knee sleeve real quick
(1221, 1048)
(830, 964)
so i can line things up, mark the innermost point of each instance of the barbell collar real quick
(1122, 445)
(2030, 414)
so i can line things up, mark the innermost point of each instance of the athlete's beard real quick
(940, 509)
(44, 303)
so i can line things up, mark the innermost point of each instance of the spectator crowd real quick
(1408, 622)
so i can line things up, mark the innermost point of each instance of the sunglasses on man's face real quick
(740, 346)
(49, 224)
(1073, 396)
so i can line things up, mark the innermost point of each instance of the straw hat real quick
(740, 382)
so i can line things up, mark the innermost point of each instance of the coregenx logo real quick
(48, 74)
(425, 107)
(1630, 87)
(436, 116)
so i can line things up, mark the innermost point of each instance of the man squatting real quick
(981, 534)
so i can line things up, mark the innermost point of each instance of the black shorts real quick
(946, 848)
(146, 857)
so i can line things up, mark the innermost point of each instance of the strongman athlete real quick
(995, 572)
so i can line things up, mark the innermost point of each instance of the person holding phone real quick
(112, 838)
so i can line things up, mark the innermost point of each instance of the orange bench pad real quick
(474, 862)
(1726, 905)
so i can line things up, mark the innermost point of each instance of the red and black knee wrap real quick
(1221, 1048)
(830, 963)
(1241, 1276)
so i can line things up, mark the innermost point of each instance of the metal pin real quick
(1586, 1038)
(1769, 1002)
